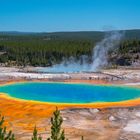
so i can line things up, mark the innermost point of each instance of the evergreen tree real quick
(3, 132)
(56, 132)
(35, 135)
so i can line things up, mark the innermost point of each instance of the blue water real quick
(61, 68)
(69, 93)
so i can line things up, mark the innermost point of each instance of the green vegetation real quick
(46, 49)
(4, 135)
(56, 121)
(42, 52)
(35, 135)
(56, 132)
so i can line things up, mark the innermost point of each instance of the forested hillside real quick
(45, 49)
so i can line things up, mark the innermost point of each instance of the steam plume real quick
(99, 56)
(100, 51)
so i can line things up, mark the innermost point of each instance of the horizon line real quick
(68, 31)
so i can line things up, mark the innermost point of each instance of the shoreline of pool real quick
(25, 114)
(126, 103)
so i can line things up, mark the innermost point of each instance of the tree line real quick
(44, 51)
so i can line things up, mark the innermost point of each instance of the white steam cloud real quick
(100, 51)
(68, 66)
(99, 56)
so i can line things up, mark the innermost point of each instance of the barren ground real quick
(117, 123)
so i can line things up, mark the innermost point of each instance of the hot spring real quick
(99, 58)
(61, 68)
(69, 93)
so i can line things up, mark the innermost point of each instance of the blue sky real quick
(68, 15)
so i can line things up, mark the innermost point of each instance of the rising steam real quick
(68, 66)
(99, 56)
(100, 51)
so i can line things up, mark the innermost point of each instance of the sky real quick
(68, 15)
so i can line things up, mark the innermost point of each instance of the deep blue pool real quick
(69, 93)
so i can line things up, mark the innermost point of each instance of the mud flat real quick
(115, 122)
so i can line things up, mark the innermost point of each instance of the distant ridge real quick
(74, 35)
(15, 33)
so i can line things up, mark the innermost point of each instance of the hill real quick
(86, 35)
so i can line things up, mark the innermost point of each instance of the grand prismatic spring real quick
(69, 93)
